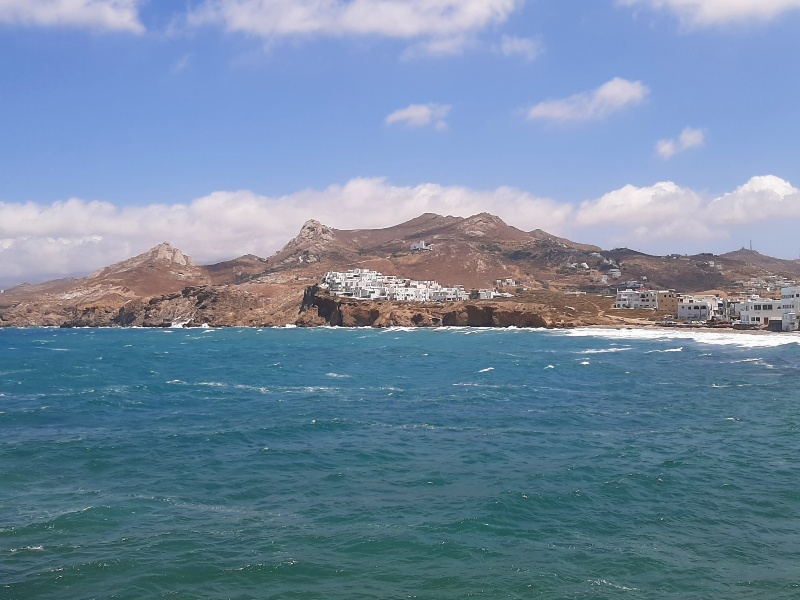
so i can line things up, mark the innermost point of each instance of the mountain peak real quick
(165, 252)
(314, 230)
(483, 224)
(160, 254)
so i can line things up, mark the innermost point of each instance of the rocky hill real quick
(473, 252)
(164, 286)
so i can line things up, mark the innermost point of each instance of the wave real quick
(741, 339)
(605, 350)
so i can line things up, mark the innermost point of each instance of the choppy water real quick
(452, 463)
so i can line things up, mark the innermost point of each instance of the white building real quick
(647, 299)
(790, 307)
(697, 308)
(756, 310)
(363, 284)
(448, 294)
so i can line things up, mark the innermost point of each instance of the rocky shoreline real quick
(243, 306)
(231, 306)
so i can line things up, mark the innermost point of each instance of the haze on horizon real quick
(222, 125)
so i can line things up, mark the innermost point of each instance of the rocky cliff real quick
(229, 306)
(533, 309)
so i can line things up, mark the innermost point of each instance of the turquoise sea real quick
(448, 463)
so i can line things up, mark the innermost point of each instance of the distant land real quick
(163, 286)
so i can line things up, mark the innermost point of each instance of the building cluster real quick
(752, 310)
(363, 284)
(767, 283)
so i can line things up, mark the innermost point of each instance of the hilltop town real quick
(432, 270)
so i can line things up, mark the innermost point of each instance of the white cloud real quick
(716, 12)
(75, 237)
(441, 26)
(613, 96)
(421, 115)
(763, 198)
(665, 212)
(689, 138)
(102, 15)
(527, 48)
(631, 205)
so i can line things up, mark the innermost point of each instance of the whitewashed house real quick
(363, 284)
(697, 308)
(628, 298)
(756, 310)
(790, 308)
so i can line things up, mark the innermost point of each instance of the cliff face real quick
(220, 307)
(322, 309)
(262, 305)
(215, 306)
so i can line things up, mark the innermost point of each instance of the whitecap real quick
(714, 338)
(29, 548)
(486, 370)
(613, 585)
(337, 375)
(254, 388)
(679, 349)
(605, 350)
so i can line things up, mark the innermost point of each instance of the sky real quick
(221, 126)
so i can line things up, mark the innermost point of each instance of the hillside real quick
(475, 252)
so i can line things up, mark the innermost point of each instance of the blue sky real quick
(222, 125)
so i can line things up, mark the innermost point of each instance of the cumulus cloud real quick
(613, 96)
(715, 12)
(631, 205)
(763, 198)
(101, 15)
(442, 26)
(75, 237)
(528, 49)
(421, 115)
(689, 138)
(665, 212)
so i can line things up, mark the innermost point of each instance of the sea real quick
(398, 463)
